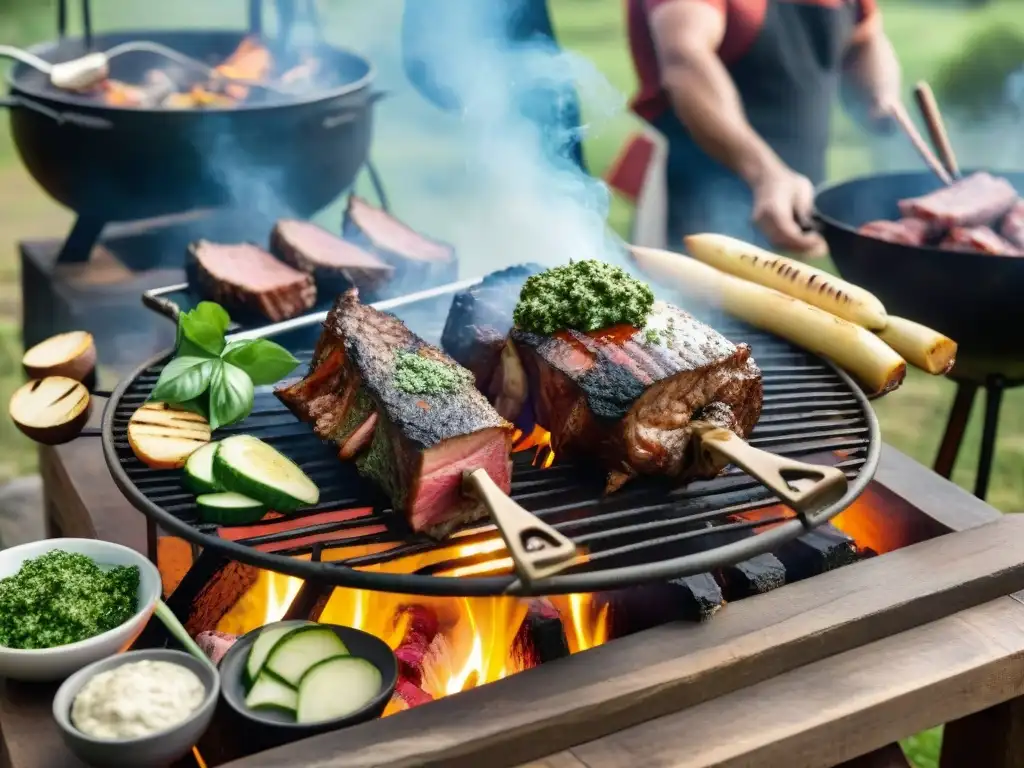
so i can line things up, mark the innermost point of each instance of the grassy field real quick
(912, 418)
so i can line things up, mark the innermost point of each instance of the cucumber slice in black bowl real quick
(275, 725)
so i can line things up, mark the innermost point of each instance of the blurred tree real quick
(985, 79)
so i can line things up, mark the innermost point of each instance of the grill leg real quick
(955, 427)
(993, 401)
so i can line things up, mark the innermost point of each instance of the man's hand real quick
(783, 200)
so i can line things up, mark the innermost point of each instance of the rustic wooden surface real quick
(81, 501)
(673, 667)
(839, 707)
(646, 676)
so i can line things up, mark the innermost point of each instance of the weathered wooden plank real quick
(841, 707)
(670, 668)
(993, 738)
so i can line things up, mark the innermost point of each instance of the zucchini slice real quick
(247, 465)
(336, 687)
(229, 508)
(163, 437)
(295, 653)
(270, 692)
(199, 470)
(261, 648)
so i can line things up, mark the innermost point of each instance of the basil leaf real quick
(183, 379)
(201, 404)
(212, 314)
(204, 328)
(231, 394)
(264, 361)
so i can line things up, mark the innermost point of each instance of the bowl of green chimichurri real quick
(65, 603)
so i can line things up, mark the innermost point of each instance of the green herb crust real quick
(419, 375)
(63, 597)
(583, 296)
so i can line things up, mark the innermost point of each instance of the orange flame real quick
(476, 642)
(540, 439)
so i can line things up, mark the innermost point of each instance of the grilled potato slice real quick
(163, 437)
(51, 410)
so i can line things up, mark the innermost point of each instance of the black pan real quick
(974, 299)
(109, 163)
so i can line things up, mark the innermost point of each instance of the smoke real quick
(483, 176)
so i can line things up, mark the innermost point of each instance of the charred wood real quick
(823, 549)
(541, 637)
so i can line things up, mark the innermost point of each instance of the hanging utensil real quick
(86, 71)
(536, 548)
(806, 488)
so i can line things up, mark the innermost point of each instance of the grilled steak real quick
(904, 231)
(248, 279)
(619, 397)
(978, 199)
(479, 321)
(424, 262)
(1013, 225)
(335, 264)
(415, 446)
(978, 240)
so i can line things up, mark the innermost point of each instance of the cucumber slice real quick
(261, 648)
(268, 692)
(199, 470)
(335, 688)
(300, 649)
(229, 508)
(247, 465)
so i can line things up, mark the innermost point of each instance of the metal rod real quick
(62, 18)
(315, 318)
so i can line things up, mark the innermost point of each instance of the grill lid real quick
(648, 531)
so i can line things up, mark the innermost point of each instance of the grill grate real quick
(645, 532)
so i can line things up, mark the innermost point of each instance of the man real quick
(441, 43)
(743, 91)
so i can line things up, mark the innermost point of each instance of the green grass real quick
(924, 33)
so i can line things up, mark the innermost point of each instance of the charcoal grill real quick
(646, 532)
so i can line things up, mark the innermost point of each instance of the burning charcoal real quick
(215, 644)
(244, 277)
(688, 598)
(541, 638)
(823, 549)
(420, 633)
(755, 576)
(419, 262)
(335, 264)
(480, 319)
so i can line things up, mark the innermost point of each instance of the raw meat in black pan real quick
(975, 200)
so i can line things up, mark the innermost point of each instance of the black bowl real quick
(972, 298)
(276, 728)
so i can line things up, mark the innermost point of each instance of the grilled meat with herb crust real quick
(414, 444)
(626, 396)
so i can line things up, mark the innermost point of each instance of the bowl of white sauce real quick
(140, 709)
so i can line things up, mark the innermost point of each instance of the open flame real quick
(539, 440)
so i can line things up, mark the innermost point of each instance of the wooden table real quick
(897, 651)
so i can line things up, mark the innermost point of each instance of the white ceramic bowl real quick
(57, 663)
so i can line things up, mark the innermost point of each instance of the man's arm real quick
(871, 70)
(687, 34)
